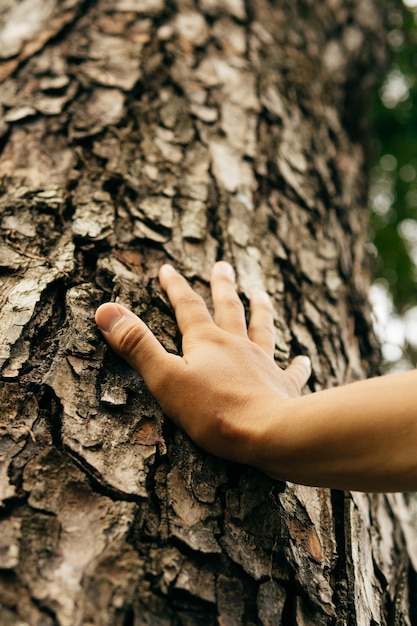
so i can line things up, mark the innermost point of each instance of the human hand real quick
(226, 380)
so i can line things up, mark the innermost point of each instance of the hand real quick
(222, 387)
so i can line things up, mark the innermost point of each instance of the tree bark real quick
(135, 132)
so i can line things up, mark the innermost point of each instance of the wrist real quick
(273, 448)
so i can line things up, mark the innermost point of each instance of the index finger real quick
(190, 309)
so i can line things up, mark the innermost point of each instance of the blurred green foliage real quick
(394, 189)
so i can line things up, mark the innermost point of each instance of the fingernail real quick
(305, 359)
(107, 315)
(261, 296)
(167, 269)
(226, 269)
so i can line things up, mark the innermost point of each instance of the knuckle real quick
(293, 388)
(130, 338)
(190, 299)
(295, 376)
(266, 328)
(232, 301)
(263, 330)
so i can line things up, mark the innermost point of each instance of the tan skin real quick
(232, 399)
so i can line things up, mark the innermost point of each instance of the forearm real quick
(362, 436)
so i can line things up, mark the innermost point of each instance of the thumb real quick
(131, 339)
(299, 370)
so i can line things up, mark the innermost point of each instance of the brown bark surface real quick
(138, 131)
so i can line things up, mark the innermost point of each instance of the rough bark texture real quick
(136, 131)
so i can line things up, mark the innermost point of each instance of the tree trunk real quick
(135, 132)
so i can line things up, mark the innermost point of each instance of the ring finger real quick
(261, 325)
(229, 313)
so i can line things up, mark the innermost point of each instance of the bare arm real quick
(227, 393)
(361, 436)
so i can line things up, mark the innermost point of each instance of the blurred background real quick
(393, 195)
